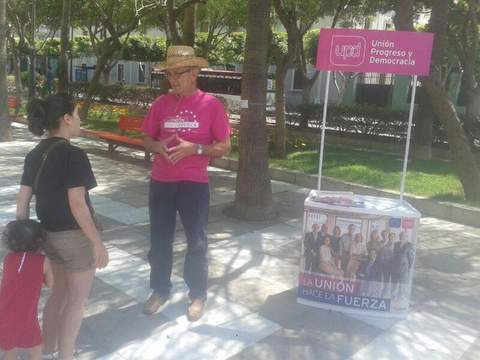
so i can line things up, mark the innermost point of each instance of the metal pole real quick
(409, 131)
(324, 121)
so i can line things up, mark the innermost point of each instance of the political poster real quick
(356, 50)
(357, 253)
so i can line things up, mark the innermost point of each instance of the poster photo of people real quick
(358, 258)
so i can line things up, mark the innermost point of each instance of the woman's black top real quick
(66, 167)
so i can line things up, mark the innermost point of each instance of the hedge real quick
(137, 97)
(360, 119)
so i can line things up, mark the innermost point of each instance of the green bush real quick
(369, 120)
(81, 47)
(143, 48)
(137, 97)
(228, 51)
(51, 47)
(25, 78)
(310, 44)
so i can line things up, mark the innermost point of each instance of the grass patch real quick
(104, 118)
(104, 125)
(431, 179)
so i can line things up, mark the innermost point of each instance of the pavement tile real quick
(251, 263)
(125, 234)
(118, 328)
(287, 345)
(220, 198)
(249, 291)
(224, 230)
(473, 351)
(280, 240)
(333, 331)
(423, 335)
(107, 222)
(282, 307)
(130, 275)
(177, 341)
(456, 308)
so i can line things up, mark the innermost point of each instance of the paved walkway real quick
(252, 309)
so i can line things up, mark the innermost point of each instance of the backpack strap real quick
(44, 160)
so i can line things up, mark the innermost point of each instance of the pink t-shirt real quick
(199, 118)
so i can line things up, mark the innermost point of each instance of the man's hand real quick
(183, 149)
(161, 147)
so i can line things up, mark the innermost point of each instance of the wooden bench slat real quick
(125, 123)
(130, 123)
(122, 139)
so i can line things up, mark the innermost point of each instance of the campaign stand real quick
(365, 264)
(358, 252)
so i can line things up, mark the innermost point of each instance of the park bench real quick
(125, 123)
(12, 105)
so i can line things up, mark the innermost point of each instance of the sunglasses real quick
(174, 75)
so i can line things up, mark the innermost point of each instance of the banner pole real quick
(324, 121)
(409, 131)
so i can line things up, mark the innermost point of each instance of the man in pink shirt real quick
(184, 128)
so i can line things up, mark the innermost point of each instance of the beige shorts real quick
(70, 249)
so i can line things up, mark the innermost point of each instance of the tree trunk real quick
(173, 37)
(64, 42)
(307, 88)
(463, 158)
(473, 111)
(18, 82)
(403, 18)
(94, 82)
(341, 86)
(470, 41)
(16, 71)
(472, 96)
(280, 128)
(33, 71)
(253, 197)
(189, 26)
(105, 76)
(5, 130)
(423, 130)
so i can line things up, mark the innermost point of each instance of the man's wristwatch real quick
(199, 149)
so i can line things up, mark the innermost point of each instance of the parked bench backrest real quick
(130, 123)
(12, 102)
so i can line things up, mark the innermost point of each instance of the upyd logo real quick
(347, 50)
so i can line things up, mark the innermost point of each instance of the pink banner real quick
(392, 52)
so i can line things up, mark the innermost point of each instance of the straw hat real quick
(181, 56)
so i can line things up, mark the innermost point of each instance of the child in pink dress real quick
(25, 269)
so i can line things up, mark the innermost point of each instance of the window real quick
(120, 72)
(81, 73)
(141, 72)
(375, 78)
(298, 80)
(374, 89)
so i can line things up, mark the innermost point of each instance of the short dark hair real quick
(45, 114)
(24, 235)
